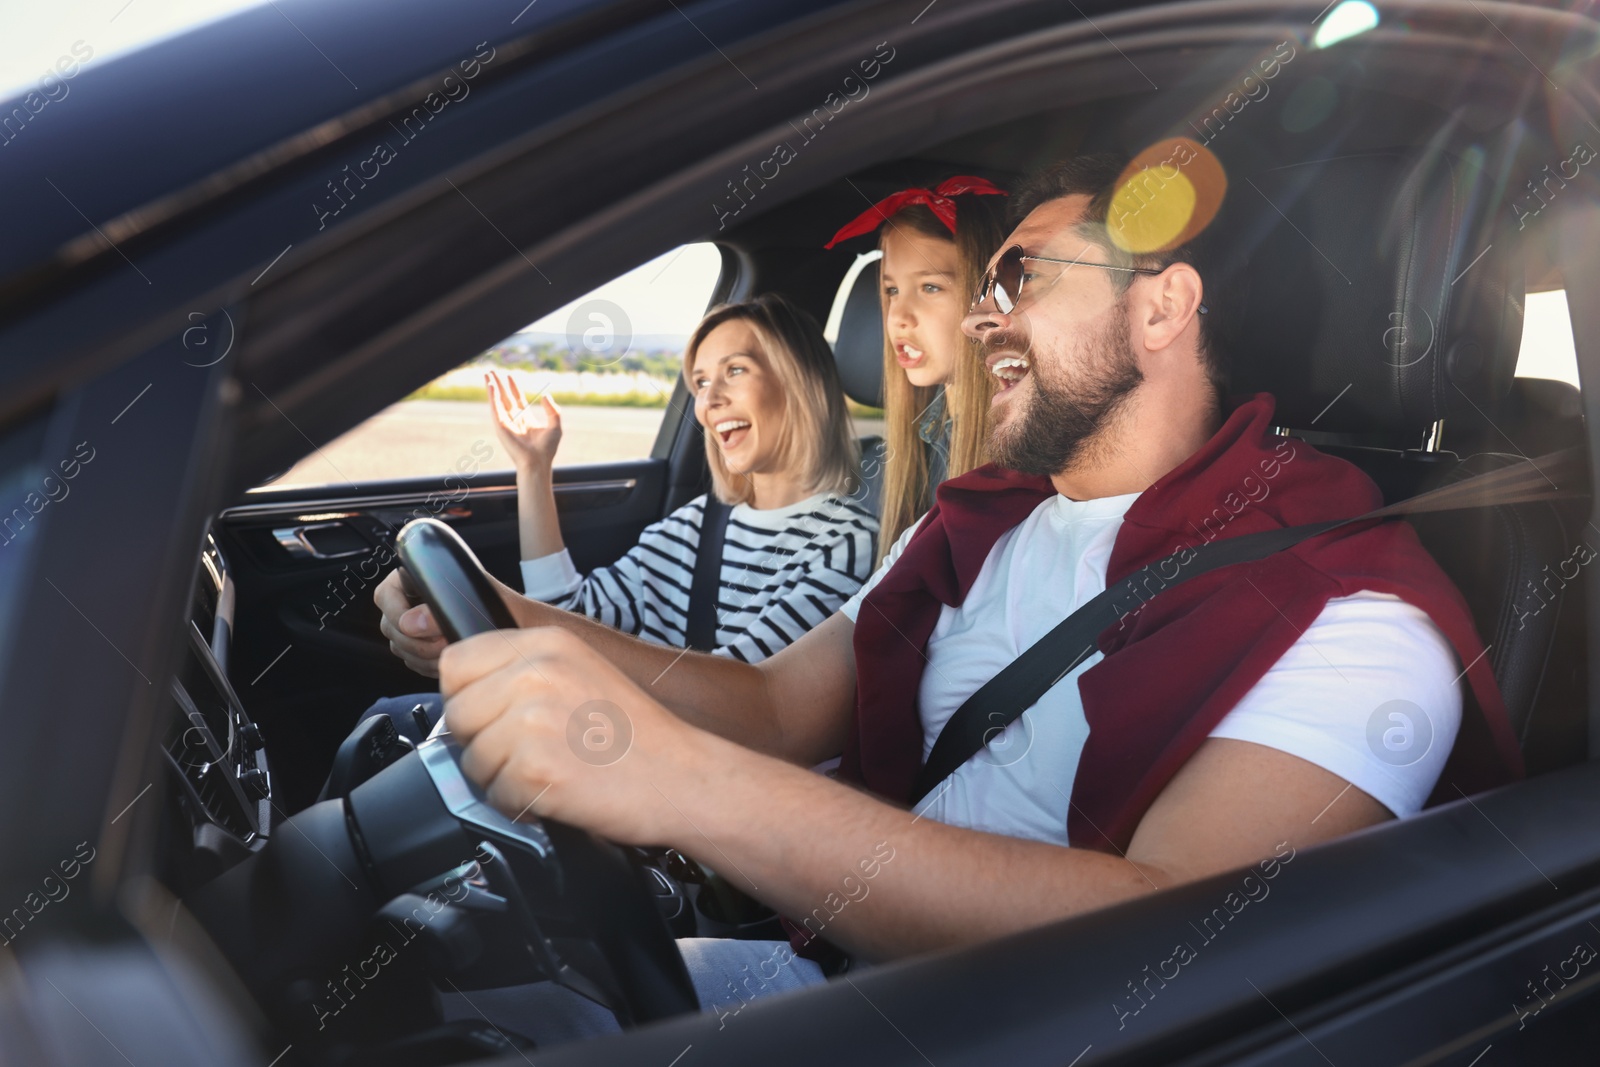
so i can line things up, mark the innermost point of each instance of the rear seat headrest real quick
(859, 349)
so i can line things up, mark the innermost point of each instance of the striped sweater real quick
(784, 570)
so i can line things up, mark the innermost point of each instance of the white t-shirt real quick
(1323, 701)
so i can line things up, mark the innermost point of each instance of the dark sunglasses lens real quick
(1008, 279)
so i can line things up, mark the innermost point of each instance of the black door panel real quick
(307, 656)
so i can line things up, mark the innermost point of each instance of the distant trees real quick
(545, 355)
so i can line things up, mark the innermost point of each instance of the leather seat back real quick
(859, 354)
(1384, 309)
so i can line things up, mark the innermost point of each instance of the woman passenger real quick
(778, 442)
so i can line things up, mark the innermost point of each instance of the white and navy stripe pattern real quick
(784, 570)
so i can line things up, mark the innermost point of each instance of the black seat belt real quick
(700, 632)
(1002, 699)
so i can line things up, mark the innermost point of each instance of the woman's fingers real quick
(510, 406)
(510, 395)
(496, 399)
(514, 396)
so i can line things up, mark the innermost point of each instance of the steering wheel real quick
(531, 900)
(616, 911)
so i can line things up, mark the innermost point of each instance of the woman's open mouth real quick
(731, 432)
(907, 355)
(1008, 371)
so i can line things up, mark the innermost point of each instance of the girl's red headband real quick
(939, 200)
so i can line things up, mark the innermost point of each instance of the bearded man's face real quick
(1070, 390)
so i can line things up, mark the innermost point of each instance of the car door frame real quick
(1439, 845)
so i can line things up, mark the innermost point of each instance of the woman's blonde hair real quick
(980, 227)
(816, 435)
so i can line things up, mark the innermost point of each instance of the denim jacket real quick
(933, 427)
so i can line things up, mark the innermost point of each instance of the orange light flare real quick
(1166, 195)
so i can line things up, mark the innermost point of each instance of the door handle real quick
(338, 540)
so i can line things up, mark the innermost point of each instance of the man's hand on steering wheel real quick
(548, 727)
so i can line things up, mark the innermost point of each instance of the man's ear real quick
(1171, 303)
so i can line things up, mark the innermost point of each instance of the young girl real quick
(935, 388)
(767, 393)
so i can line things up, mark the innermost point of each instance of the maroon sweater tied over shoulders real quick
(1175, 666)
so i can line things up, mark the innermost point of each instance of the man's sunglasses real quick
(1004, 278)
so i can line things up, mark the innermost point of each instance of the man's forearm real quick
(721, 695)
(875, 879)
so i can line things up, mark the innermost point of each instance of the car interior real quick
(1422, 366)
(1326, 302)
(1379, 296)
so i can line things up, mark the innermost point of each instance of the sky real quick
(667, 295)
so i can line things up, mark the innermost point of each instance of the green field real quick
(480, 394)
(636, 399)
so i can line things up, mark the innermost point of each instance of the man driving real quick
(1220, 723)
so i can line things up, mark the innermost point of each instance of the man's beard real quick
(1062, 420)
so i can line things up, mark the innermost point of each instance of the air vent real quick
(208, 766)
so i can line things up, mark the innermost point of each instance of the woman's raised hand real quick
(529, 432)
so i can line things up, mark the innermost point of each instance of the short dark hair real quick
(1095, 174)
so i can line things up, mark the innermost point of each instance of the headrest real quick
(859, 349)
(1382, 293)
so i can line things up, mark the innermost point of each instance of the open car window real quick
(1547, 349)
(610, 359)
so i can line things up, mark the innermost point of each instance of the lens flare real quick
(1350, 18)
(1150, 216)
(1168, 193)
(1312, 101)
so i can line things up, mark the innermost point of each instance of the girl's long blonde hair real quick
(980, 227)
